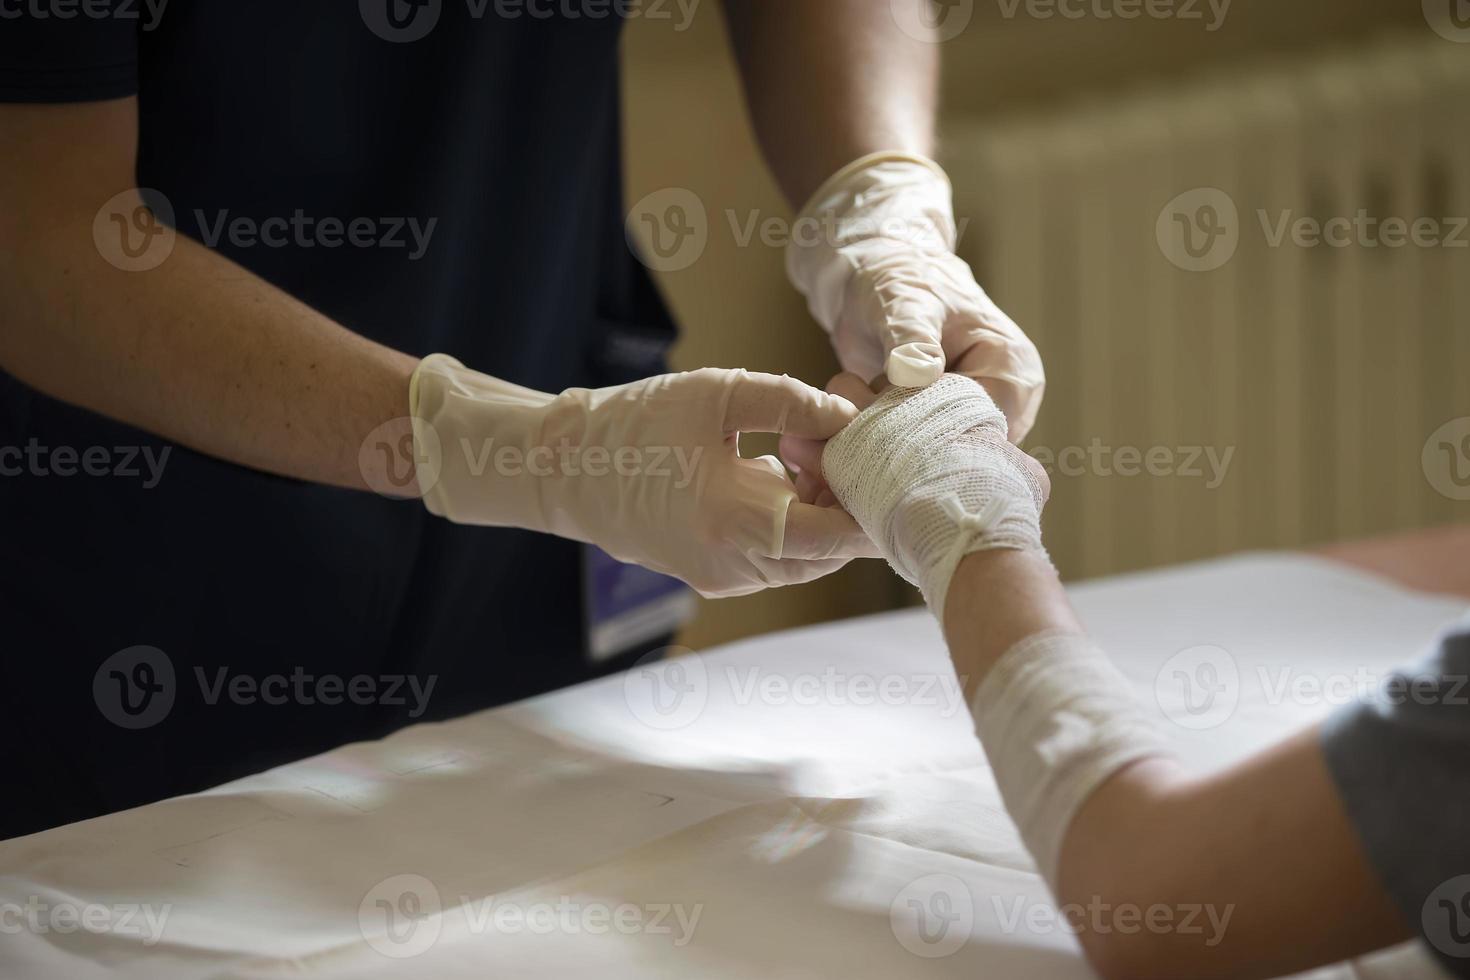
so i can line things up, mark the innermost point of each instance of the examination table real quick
(805, 804)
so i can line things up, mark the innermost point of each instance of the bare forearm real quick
(203, 353)
(1261, 858)
(197, 350)
(828, 81)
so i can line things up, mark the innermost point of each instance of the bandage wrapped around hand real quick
(931, 476)
(649, 471)
(873, 252)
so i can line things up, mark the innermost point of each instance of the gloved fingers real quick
(909, 316)
(989, 347)
(777, 403)
(781, 571)
(818, 533)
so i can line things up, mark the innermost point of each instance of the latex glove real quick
(648, 471)
(873, 252)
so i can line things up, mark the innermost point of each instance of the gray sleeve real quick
(1401, 761)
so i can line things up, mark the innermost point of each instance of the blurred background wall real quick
(1067, 139)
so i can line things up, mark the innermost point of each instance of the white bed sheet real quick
(777, 820)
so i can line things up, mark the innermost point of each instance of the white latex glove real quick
(648, 471)
(873, 252)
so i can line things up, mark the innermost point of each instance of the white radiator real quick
(1202, 400)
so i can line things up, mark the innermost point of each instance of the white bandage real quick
(1056, 720)
(930, 475)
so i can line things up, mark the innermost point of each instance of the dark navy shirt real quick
(464, 159)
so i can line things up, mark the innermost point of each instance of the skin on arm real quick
(197, 350)
(1265, 845)
(1266, 841)
(829, 81)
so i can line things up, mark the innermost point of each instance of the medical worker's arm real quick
(197, 350)
(200, 351)
(1118, 828)
(843, 95)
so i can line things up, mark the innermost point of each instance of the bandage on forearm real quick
(1057, 719)
(930, 475)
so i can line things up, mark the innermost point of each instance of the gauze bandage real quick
(873, 251)
(1056, 720)
(648, 471)
(930, 475)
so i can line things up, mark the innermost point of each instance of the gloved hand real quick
(647, 471)
(930, 475)
(873, 252)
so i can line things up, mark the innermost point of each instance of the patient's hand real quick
(929, 474)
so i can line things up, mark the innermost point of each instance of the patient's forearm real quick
(997, 599)
(1260, 858)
